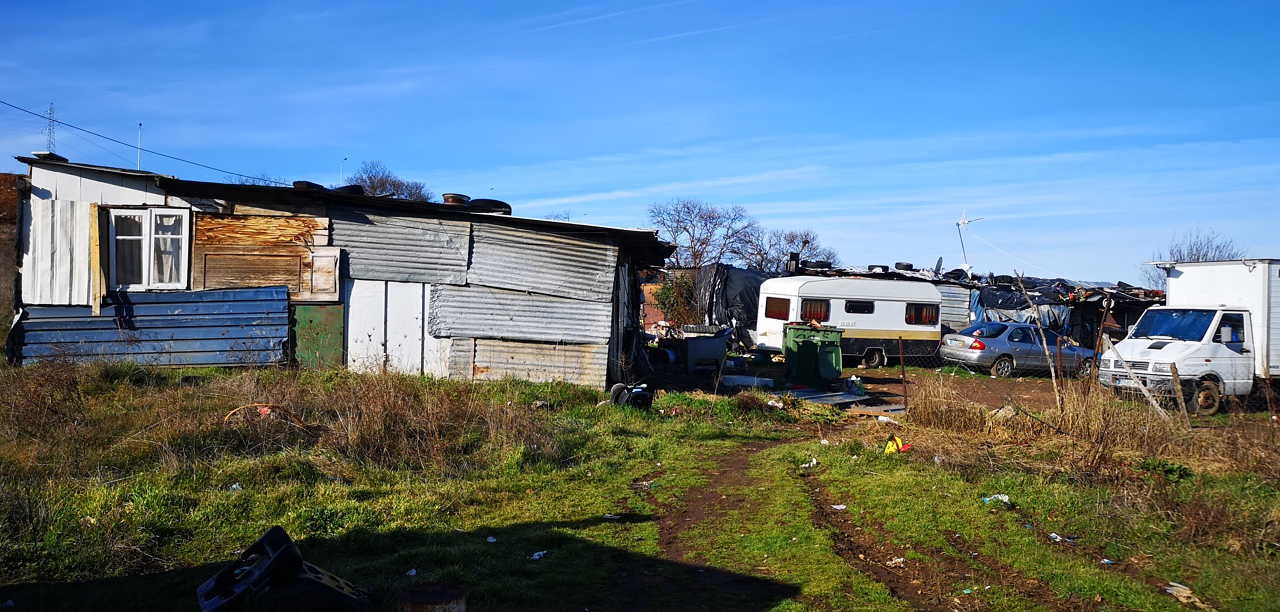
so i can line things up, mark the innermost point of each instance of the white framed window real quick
(149, 248)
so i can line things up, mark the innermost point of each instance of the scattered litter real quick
(412, 572)
(612, 517)
(968, 591)
(491, 539)
(538, 555)
(1069, 539)
(1108, 562)
(838, 506)
(774, 404)
(894, 444)
(812, 462)
(825, 442)
(884, 419)
(1000, 497)
(1183, 593)
(937, 459)
(896, 562)
(88, 521)
(235, 487)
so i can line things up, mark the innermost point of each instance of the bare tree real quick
(703, 233)
(263, 179)
(377, 180)
(768, 251)
(1195, 245)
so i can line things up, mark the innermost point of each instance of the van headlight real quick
(1104, 364)
(1160, 368)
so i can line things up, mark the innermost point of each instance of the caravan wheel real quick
(874, 358)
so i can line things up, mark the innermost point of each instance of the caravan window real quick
(815, 310)
(859, 307)
(922, 314)
(149, 248)
(777, 308)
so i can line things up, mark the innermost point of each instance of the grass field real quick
(127, 487)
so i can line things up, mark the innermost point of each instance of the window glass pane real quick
(922, 314)
(165, 260)
(128, 264)
(859, 307)
(985, 330)
(128, 225)
(1020, 335)
(777, 308)
(168, 225)
(815, 310)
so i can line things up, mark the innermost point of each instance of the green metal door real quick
(317, 335)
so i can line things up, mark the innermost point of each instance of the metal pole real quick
(139, 162)
(902, 367)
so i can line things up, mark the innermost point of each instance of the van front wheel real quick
(1208, 398)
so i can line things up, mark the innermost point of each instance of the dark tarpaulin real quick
(727, 296)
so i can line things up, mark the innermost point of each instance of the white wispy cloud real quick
(675, 188)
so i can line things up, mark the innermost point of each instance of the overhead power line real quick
(121, 142)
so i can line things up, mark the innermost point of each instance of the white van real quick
(1220, 328)
(872, 314)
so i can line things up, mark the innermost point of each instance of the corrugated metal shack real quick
(124, 264)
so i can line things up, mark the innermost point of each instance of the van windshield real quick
(1174, 324)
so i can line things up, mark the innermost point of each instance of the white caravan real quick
(1220, 328)
(872, 314)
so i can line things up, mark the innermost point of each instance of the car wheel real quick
(1002, 368)
(874, 359)
(1208, 398)
(1085, 370)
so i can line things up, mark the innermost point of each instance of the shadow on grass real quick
(575, 574)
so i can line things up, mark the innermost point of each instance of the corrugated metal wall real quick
(484, 312)
(222, 327)
(55, 252)
(404, 249)
(529, 260)
(486, 359)
(955, 306)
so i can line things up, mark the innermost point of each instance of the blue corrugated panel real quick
(220, 327)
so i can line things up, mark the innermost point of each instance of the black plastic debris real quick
(271, 575)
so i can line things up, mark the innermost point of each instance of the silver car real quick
(1006, 348)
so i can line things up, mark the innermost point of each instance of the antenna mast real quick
(139, 162)
(49, 137)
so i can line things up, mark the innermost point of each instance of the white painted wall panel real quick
(404, 327)
(366, 323)
(435, 351)
(91, 186)
(55, 252)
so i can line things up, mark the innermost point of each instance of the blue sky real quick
(1086, 133)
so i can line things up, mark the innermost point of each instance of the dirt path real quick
(932, 583)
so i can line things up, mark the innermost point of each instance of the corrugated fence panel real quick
(402, 248)
(484, 312)
(55, 252)
(583, 364)
(511, 258)
(223, 327)
(955, 306)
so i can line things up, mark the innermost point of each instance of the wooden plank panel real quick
(257, 230)
(310, 273)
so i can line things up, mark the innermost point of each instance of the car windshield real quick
(985, 330)
(1173, 324)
